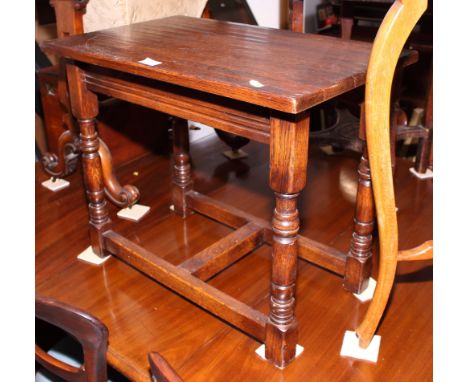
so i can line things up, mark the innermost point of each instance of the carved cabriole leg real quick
(181, 176)
(347, 20)
(65, 160)
(359, 262)
(288, 168)
(85, 109)
(125, 196)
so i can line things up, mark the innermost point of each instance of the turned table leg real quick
(85, 109)
(181, 175)
(288, 168)
(359, 262)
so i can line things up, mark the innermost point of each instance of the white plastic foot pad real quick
(58, 185)
(261, 351)
(90, 257)
(327, 149)
(239, 154)
(421, 175)
(368, 293)
(133, 214)
(351, 348)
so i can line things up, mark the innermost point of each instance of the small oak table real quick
(256, 82)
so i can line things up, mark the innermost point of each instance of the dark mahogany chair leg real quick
(85, 109)
(65, 161)
(181, 176)
(235, 142)
(359, 262)
(288, 169)
(91, 333)
(161, 370)
(63, 140)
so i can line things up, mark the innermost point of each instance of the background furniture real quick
(394, 31)
(275, 112)
(412, 90)
(161, 370)
(416, 93)
(88, 330)
(126, 127)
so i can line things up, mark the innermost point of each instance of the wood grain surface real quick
(297, 71)
(391, 37)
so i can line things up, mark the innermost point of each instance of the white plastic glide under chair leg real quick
(261, 351)
(88, 256)
(421, 175)
(235, 154)
(368, 293)
(56, 184)
(134, 213)
(350, 348)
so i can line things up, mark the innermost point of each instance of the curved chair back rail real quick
(88, 330)
(388, 44)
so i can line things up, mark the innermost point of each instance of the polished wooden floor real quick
(142, 315)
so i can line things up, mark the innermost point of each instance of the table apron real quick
(214, 113)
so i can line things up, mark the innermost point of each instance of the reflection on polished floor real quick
(144, 316)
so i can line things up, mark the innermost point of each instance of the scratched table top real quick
(278, 69)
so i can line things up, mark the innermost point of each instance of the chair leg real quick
(122, 196)
(65, 161)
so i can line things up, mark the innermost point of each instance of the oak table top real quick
(297, 71)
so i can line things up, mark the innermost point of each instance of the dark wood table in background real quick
(256, 82)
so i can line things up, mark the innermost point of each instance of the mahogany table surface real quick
(297, 71)
(144, 316)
